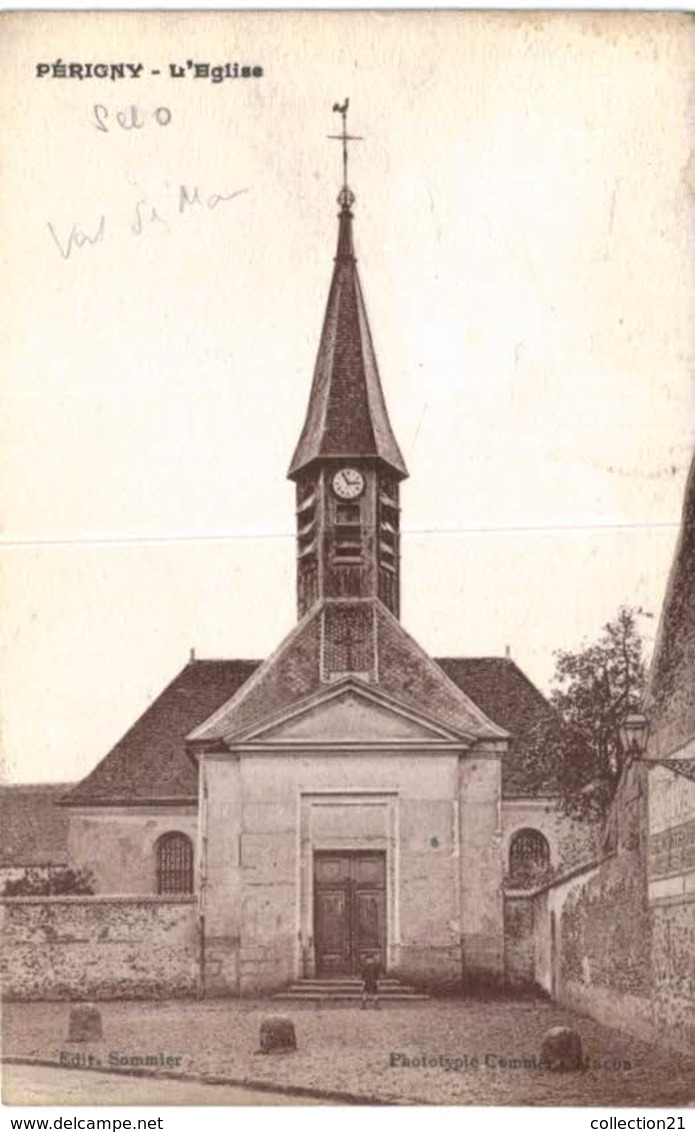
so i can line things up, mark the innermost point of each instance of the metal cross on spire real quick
(346, 197)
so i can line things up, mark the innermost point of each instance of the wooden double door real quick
(349, 911)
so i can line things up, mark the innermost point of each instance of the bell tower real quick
(347, 465)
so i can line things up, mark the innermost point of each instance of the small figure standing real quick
(370, 982)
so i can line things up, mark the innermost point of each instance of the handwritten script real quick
(145, 215)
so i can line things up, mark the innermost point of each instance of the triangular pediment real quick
(350, 716)
(396, 672)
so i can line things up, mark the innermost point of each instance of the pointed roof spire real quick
(347, 414)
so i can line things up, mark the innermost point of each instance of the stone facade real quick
(98, 947)
(433, 814)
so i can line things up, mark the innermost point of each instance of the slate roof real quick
(33, 829)
(670, 700)
(500, 688)
(151, 762)
(504, 693)
(347, 414)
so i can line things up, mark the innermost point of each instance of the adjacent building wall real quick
(117, 843)
(617, 941)
(670, 706)
(671, 895)
(98, 947)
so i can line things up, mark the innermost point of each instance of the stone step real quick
(346, 996)
(347, 988)
(344, 989)
(349, 984)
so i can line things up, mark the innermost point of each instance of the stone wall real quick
(77, 947)
(597, 957)
(605, 944)
(634, 974)
(571, 843)
(604, 948)
(519, 941)
(673, 943)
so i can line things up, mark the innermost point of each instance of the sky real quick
(524, 230)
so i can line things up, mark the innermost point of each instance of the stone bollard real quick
(561, 1049)
(277, 1035)
(85, 1023)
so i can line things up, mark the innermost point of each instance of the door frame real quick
(311, 803)
(352, 854)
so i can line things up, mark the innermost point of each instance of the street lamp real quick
(633, 732)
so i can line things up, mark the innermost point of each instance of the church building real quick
(349, 795)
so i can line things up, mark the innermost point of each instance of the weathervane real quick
(346, 197)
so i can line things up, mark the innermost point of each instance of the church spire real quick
(347, 464)
(347, 414)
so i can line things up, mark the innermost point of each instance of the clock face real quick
(348, 483)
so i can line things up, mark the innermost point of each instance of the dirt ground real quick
(451, 1052)
(39, 1085)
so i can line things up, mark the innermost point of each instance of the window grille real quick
(529, 858)
(174, 864)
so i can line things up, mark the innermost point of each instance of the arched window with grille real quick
(174, 864)
(529, 858)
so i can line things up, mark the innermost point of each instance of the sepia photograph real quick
(348, 559)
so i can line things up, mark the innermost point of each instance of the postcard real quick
(348, 710)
